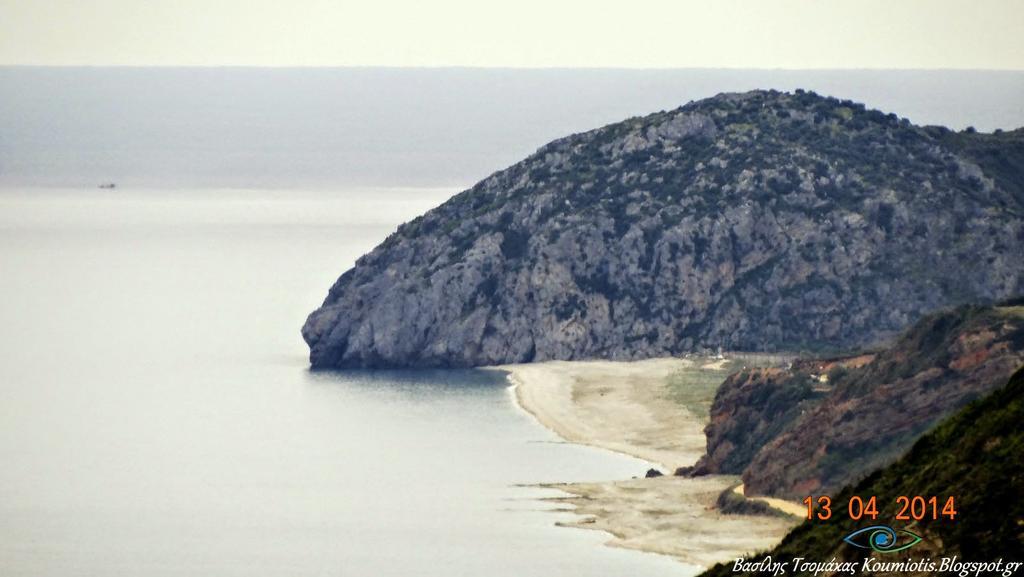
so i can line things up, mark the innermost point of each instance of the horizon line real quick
(511, 68)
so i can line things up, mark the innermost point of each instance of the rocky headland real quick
(762, 221)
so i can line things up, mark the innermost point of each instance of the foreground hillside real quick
(821, 425)
(756, 221)
(976, 456)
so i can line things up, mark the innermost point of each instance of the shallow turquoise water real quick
(157, 416)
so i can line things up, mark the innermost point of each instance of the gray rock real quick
(763, 221)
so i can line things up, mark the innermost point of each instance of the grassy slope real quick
(694, 387)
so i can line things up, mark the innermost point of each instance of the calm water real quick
(157, 416)
(257, 127)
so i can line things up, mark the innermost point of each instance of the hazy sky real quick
(637, 33)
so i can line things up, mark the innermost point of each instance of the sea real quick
(157, 413)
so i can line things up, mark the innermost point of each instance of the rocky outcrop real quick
(760, 221)
(751, 408)
(800, 431)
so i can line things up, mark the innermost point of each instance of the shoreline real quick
(628, 416)
(647, 410)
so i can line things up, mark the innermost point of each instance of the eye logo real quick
(882, 539)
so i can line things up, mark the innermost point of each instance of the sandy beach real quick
(622, 407)
(654, 410)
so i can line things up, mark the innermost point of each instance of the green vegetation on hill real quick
(753, 407)
(1000, 155)
(977, 456)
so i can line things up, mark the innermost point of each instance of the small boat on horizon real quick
(108, 185)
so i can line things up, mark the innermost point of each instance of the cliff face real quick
(820, 426)
(758, 221)
(977, 456)
(751, 408)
